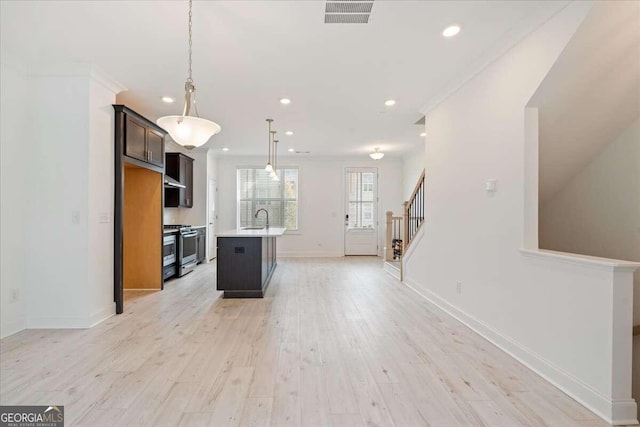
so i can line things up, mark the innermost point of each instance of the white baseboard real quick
(310, 254)
(78, 322)
(57, 323)
(392, 270)
(11, 328)
(103, 314)
(625, 412)
(621, 412)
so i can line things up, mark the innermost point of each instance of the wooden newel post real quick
(405, 223)
(388, 253)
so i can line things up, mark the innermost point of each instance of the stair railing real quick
(395, 230)
(414, 212)
(401, 230)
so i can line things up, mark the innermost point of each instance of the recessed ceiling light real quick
(225, 149)
(423, 134)
(289, 132)
(291, 150)
(168, 99)
(285, 101)
(451, 31)
(389, 102)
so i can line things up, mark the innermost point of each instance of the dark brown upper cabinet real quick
(180, 168)
(143, 139)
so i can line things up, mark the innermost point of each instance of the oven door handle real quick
(195, 233)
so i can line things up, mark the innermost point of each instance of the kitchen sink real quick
(252, 228)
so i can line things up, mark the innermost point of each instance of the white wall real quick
(412, 166)
(58, 186)
(598, 212)
(101, 200)
(13, 158)
(60, 194)
(321, 200)
(554, 313)
(70, 173)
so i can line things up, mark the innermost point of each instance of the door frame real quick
(210, 238)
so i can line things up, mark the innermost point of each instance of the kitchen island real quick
(246, 261)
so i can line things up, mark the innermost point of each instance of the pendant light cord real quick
(269, 135)
(189, 87)
(190, 78)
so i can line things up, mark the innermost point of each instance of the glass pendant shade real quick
(269, 168)
(376, 155)
(189, 131)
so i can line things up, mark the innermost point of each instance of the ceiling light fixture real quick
(269, 167)
(168, 99)
(189, 131)
(285, 101)
(225, 149)
(423, 134)
(274, 173)
(390, 102)
(289, 132)
(451, 31)
(291, 150)
(376, 155)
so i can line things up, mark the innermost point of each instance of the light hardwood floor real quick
(336, 342)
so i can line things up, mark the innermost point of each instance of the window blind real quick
(256, 190)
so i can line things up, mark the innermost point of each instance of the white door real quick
(361, 222)
(211, 219)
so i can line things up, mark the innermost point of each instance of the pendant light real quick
(376, 155)
(274, 175)
(268, 167)
(272, 172)
(189, 131)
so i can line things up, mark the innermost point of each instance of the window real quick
(256, 190)
(361, 199)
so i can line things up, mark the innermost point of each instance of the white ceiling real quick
(591, 95)
(248, 54)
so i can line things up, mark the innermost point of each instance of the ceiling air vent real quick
(347, 12)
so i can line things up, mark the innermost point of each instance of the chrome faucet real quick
(265, 211)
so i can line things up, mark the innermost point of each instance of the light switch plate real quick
(490, 185)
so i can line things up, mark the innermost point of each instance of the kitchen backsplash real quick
(171, 216)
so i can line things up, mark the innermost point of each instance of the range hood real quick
(172, 183)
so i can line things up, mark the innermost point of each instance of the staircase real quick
(402, 229)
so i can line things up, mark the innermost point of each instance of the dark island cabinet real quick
(142, 139)
(245, 265)
(180, 168)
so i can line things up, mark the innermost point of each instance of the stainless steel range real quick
(187, 248)
(169, 255)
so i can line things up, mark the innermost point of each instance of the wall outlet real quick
(15, 295)
(104, 217)
(459, 287)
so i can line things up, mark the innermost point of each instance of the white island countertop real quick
(264, 232)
